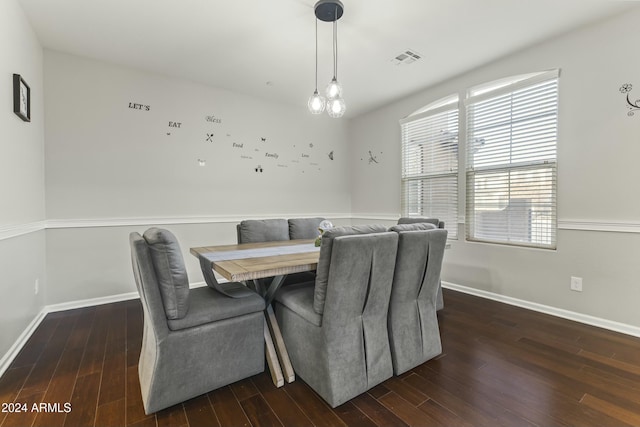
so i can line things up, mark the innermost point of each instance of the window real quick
(511, 162)
(430, 163)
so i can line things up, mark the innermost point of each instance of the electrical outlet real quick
(37, 286)
(576, 284)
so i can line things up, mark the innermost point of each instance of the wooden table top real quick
(256, 267)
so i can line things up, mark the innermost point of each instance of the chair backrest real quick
(262, 230)
(324, 261)
(360, 277)
(415, 285)
(418, 264)
(147, 285)
(304, 228)
(357, 303)
(415, 220)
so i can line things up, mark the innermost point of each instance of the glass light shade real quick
(325, 225)
(316, 103)
(334, 89)
(336, 107)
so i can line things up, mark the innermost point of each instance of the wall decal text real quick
(141, 107)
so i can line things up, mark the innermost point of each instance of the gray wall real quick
(22, 258)
(598, 175)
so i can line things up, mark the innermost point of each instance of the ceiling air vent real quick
(407, 57)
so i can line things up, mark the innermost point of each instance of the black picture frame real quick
(21, 98)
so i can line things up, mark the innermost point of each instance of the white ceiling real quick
(240, 45)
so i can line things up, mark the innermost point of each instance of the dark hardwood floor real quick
(501, 365)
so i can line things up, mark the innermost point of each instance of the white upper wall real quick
(105, 159)
(22, 143)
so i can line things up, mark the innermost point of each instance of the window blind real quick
(511, 163)
(430, 165)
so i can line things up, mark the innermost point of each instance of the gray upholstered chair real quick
(413, 324)
(194, 340)
(304, 228)
(436, 222)
(262, 230)
(335, 328)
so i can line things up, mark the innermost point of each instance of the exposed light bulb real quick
(316, 103)
(334, 89)
(336, 107)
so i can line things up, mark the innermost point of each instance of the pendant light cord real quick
(316, 55)
(335, 46)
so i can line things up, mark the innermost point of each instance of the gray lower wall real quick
(94, 262)
(21, 263)
(606, 261)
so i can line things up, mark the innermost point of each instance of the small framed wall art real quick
(21, 98)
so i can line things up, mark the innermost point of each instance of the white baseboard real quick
(6, 360)
(90, 302)
(553, 311)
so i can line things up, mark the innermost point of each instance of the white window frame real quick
(536, 172)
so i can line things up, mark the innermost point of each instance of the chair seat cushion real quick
(299, 299)
(208, 305)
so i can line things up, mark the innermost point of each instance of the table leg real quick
(281, 349)
(272, 357)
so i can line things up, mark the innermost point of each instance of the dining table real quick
(248, 263)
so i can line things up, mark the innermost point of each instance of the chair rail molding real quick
(213, 219)
(9, 231)
(15, 230)
(591, 225)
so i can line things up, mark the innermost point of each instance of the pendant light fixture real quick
(316, 102)
(329, 11)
